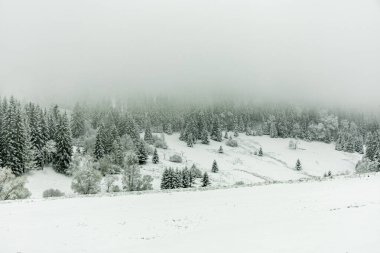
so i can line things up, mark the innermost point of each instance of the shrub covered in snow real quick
(293, 144)
(159, 142)
(366, 165)
(86, 180)
(231, 143)
(132, 179)
(12, 187)
(49, 193)
(175, 158)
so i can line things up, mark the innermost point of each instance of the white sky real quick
(322, 50)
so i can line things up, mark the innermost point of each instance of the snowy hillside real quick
(340, 215)
(240, 163)
(236, 164)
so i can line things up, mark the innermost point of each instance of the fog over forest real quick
(289, 50)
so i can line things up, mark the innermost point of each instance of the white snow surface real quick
(338, 215)
(40, 180)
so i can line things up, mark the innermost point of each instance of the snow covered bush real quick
(159, 142)
(86, 180)
(12, 187)
(293, 144)
(132, 179)
(175, 158)
(106, 167)
(231, 143)
(109, 182)
(366, 165)
(49, 193)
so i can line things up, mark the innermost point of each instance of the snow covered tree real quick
(190, 140)
(204, 137)
(100, 149)
(78, 126)
(186, 178)
(167, 180)
(220, 150)
(12, 187)
(372, 146)
(62, 158)
(214, 168)
(141, 152)
(15, 139)
(298, 165)
(148, 137)
(216, 133)
(273, 130)
(86, 180)
(155, 158)
(226, 135)
(205, 180)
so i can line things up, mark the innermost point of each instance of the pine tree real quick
(15, 139)
(78, 122)
(141, 152)
(190, 140)
(260, 152)
(214, 168)
(155, 158)
(148, 137)
(63, 156)
(204, 137)
(298, 165)
(216, 133)
(220, 151)
(186, 180)
(205, 180)
(226, 135)
(372, 146)
(100, 151)
(117, 153)
(273, 130)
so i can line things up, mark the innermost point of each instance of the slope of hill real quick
(235, 164)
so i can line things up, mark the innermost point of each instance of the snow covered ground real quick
(339, 215)
(240, 163)
(235, 165)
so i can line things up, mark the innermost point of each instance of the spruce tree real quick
(298, 165)
(220, 151)
(216, 133)
(155, 158)
(204, 137)
(63, 156)
(148, 137)
(214, 168)
(205, 180)
(273, 130)
(226, 135)
(15, 137)
(100, 151)
(190, 140)
(78, 122)
(186, 178)
(372, 146)
(141, 152)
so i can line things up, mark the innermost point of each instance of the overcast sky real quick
(325, 50)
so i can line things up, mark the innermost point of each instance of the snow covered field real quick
(339, 215)
(236, 164)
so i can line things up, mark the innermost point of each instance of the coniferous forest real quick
(33, 136)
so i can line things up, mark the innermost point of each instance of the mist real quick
(312, 51)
